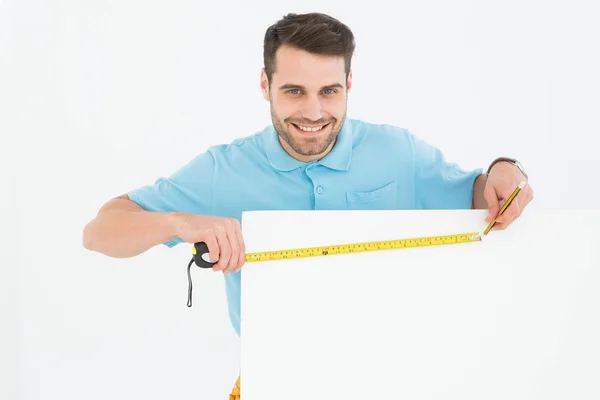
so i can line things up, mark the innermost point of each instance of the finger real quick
(511, 213)
(518, 204)
(213, 248)
(240, 237)
(501, 222)
(235, 249)
(493, 204)
(237, 231)
(225, 251)
(531, 195)
(527, 197)
(499, 226)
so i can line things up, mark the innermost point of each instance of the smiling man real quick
(312, 157)
(308, 94)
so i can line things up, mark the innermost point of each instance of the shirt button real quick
(319, 189)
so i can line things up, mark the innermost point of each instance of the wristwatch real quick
(514, 162)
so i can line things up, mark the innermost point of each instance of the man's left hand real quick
(502, 181)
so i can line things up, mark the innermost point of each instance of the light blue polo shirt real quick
(371, 167)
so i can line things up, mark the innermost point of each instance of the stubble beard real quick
(309, 146)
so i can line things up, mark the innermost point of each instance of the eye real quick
(330, 91)
(294, 91)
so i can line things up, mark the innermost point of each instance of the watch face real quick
(520, 166)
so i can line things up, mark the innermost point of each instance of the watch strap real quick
(510, 160)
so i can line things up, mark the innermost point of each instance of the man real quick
(312, 157)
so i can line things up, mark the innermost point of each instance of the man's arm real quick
(479, 202)
(440, 184)
(146, 216)
(124, 229)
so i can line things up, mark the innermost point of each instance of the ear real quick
(264, 84)
(349, 81)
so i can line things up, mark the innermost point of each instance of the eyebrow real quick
(294, 86)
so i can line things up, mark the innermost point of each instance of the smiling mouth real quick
(310, 130)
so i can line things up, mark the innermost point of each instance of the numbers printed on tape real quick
(363, 247)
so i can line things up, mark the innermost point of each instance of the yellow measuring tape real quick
(200, 249)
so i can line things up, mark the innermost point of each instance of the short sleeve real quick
(440, 184)
(189, 189)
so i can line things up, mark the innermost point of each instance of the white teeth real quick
(309, 129)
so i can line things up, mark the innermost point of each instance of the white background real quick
(99, 97)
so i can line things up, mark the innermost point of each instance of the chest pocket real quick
(381, 198)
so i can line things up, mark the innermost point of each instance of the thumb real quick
(213, 249)
(493, 203)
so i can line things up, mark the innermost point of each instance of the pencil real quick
(505, 206)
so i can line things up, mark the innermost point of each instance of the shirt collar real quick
(338, 158)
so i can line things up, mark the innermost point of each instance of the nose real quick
(312, 108)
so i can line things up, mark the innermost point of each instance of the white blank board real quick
(515, 316)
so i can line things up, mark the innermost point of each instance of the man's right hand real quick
(124, 229)
(222, 235)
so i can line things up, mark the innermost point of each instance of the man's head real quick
(306, 79)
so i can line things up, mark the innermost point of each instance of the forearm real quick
(479, 201)
(123, 229)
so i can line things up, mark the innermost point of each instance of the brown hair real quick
(313, 32)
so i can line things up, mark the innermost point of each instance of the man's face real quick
(308, 96)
